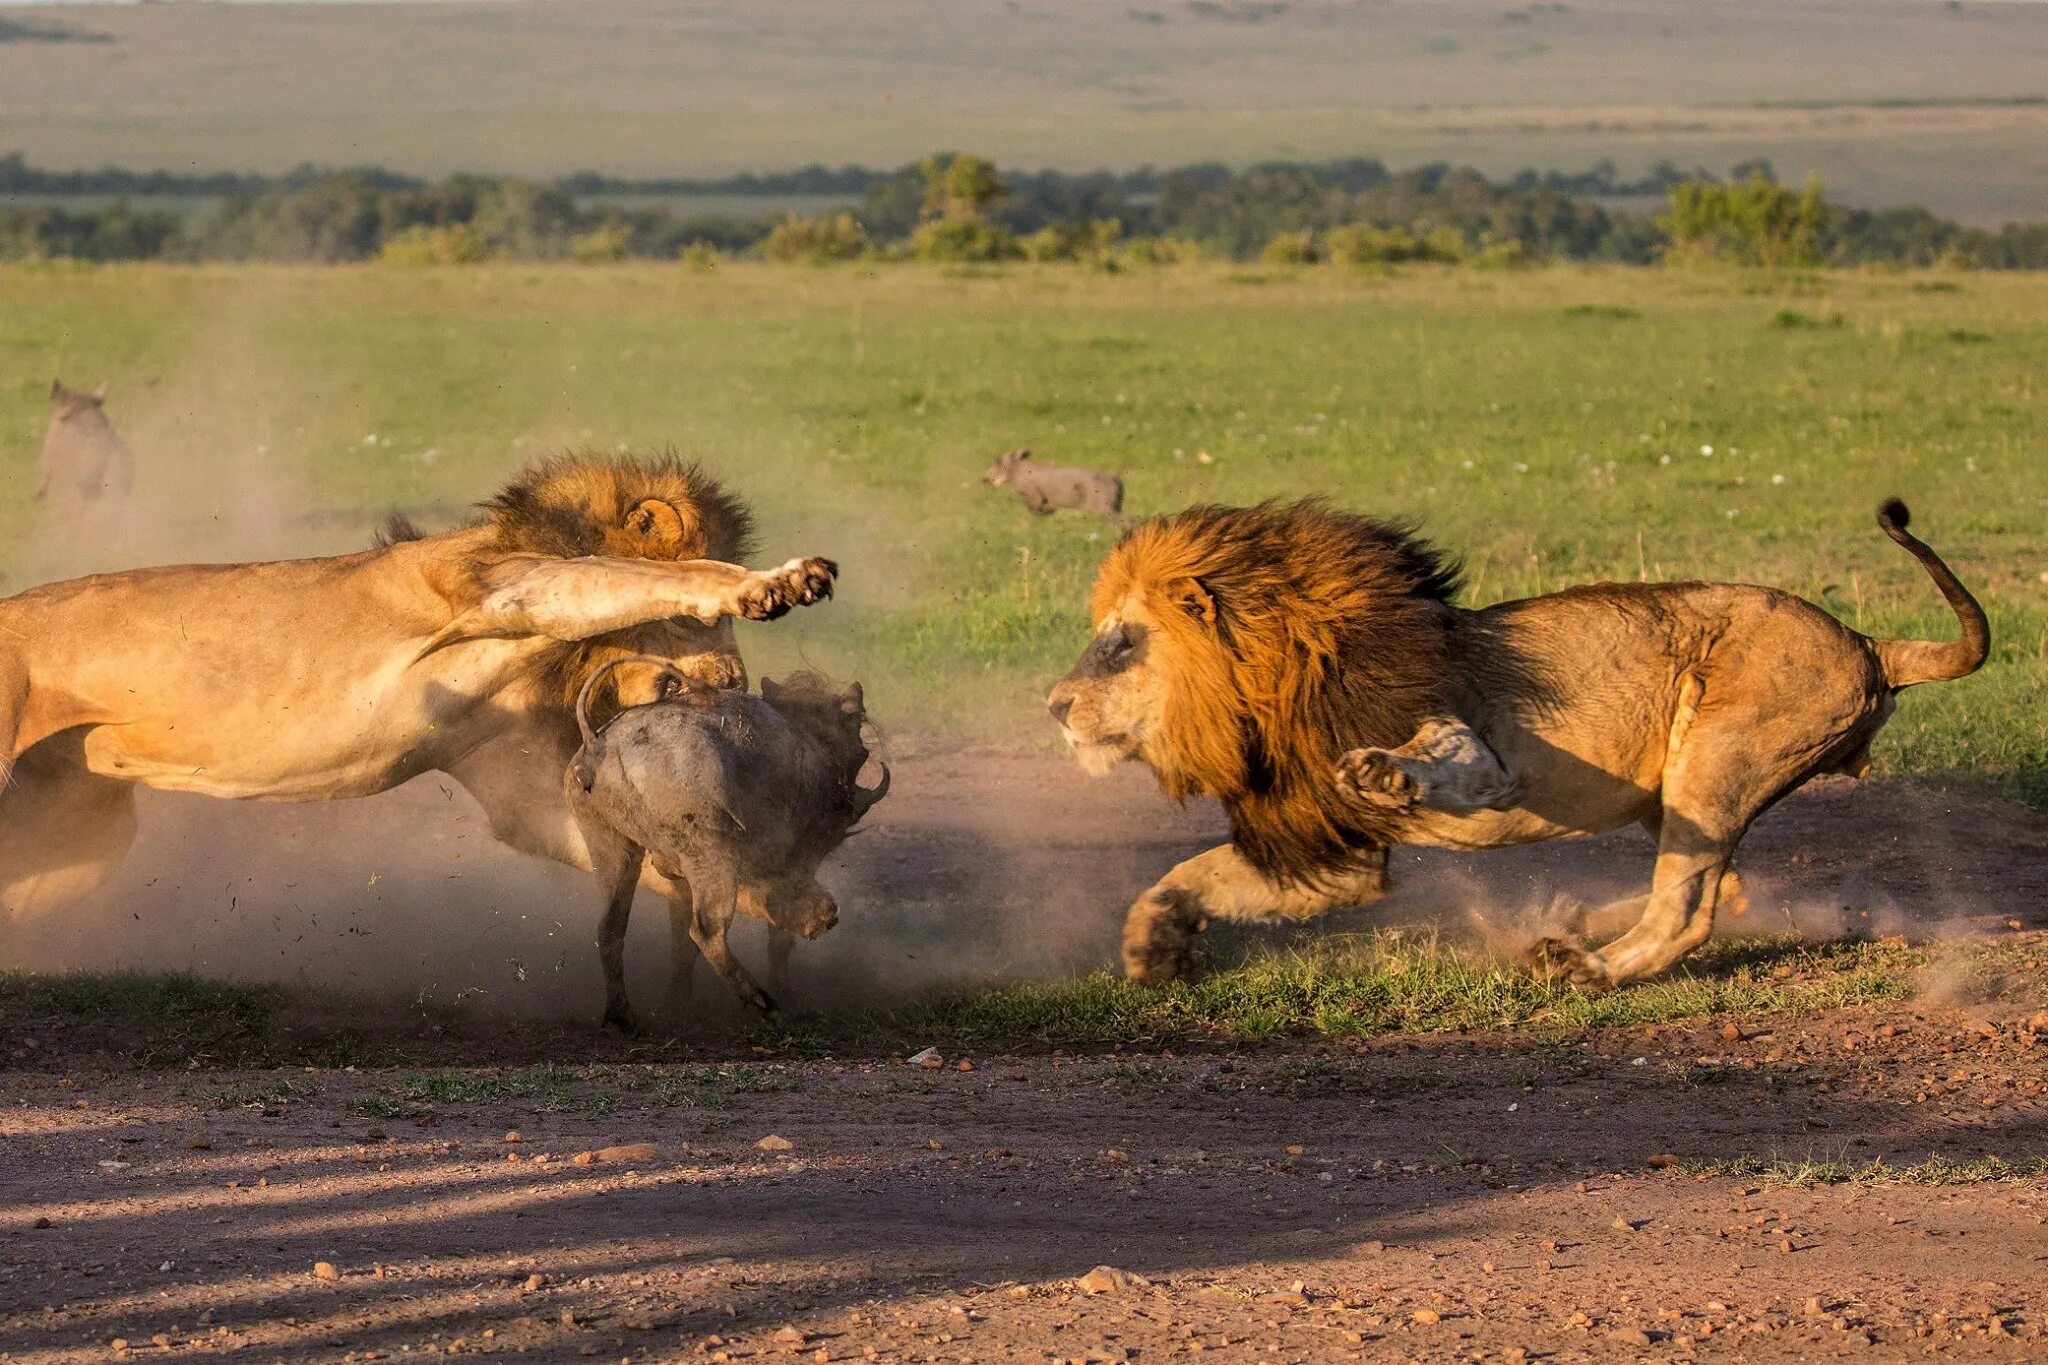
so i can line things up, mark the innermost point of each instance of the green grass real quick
(1361, 985)
(266, 1094)
(547, 1088)
(118, 997)
(1548, 425)
(1807, 1172)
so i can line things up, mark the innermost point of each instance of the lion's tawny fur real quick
(1332, 631)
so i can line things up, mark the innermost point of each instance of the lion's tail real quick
(1906, 662)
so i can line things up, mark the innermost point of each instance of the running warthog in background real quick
(83, 459)
(738, 798)
(1045, 488)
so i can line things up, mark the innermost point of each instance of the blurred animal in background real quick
(735, 797)
(1046, 488)
(84, 460)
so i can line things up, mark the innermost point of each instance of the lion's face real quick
(1112, 703)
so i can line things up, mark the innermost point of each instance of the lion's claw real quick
(796, 584)
(1374, 777)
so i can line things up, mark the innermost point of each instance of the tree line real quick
(958, 207)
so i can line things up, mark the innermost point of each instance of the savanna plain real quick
(324, 1082)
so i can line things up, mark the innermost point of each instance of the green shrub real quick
(1756, 221)
(603, 244)
(1361, 244)
(964, 239)
(797, 238)
(1161, 251)
(702, 255)
(1094, 242)
(421, 244)
(1294, 248)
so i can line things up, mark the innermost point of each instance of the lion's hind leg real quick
(1716, 780)
(1221, 884)
(1444, 766)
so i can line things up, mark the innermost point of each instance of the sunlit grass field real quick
(1553, 426)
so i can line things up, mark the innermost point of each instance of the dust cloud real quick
(405, 897)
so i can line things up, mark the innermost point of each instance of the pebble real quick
(535, 1281)
(514, 1135)
(929, 1059)
(630, 1151)
(773, 1143)
(1107, 1279)
(1427, 1315)
(1630, 1336)
(324, 1270)
(198, 1142)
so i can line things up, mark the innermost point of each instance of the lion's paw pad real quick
(796, 584)
(1376, 778)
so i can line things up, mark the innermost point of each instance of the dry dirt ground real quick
(1445, 1198)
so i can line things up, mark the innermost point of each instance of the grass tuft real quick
(1358, 985)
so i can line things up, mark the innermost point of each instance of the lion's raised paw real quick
(798, 583)
(1374, 777)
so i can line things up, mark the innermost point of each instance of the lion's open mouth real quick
(1098, 754)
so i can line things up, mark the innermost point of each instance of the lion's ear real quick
(661, 525)
(1194, 599)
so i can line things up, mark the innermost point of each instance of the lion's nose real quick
(1059, 704)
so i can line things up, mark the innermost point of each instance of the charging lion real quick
(311, 679)
(1308, 668)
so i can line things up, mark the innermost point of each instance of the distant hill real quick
(1890, 101)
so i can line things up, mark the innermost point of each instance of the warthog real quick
(84, 460)
(1045, 488)
(740, 798)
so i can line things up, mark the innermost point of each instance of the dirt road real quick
(1447, 1198)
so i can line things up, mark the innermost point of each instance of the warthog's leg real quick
(682, 949)
(780, 942)
(1220, 884)
(714, 900)
(1446, 766)
(617, 862)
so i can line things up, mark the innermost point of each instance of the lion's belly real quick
(293, 744)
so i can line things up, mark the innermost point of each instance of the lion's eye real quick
(671, 686)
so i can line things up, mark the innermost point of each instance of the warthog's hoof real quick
(796, 584)
(618, 1017)
(1562, 959)
(1373, 777)
(1159, 938)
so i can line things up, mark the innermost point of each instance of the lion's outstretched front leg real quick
(1222, 884)
(578, 599)
(1446, 766)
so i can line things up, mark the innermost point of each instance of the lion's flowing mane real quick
(581, 504)
(1331, 631)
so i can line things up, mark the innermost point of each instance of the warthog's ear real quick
(853, 702)
(1191, 597)
(58, 393)
(99, 395)
(1021, 454)
(661, 525)
(770, 690)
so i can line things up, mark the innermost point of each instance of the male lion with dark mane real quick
(305, 680)
(1309, 668)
